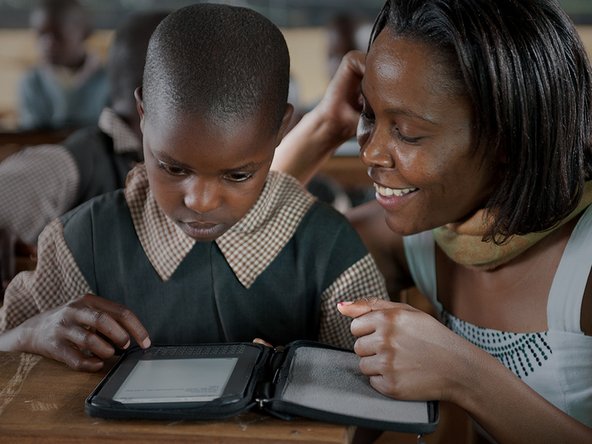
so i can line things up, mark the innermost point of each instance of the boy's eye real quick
(171, 169)
(238, 177)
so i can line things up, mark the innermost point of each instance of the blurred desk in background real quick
(13, 141)
(348, 171)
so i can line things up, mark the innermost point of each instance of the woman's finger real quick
(370, 365)
(363, 306)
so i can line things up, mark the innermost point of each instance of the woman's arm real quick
(410, 355)
(332, 122)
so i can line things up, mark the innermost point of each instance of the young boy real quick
(204, 244)
(69, 87)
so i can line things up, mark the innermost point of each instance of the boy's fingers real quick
(78, 361)
(117, 322)
(262, 342)
(133, 325)
(363, 306)
(85, 339)
(101, 321)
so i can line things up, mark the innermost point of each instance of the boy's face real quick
(206, 177)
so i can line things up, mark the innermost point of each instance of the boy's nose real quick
(202, 196)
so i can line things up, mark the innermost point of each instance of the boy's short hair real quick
(221, 62)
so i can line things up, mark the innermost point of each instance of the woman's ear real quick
(139, 105)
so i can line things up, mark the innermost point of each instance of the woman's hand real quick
(333, 121)
(406, 353)
(82, 333)
(341, 105)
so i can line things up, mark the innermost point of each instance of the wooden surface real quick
(42, 401)
(13, 141)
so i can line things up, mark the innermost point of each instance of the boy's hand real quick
(83, 332)
(262, 342)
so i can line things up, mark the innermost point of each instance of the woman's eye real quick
(238, 177)
(170, 169)
(407, 139)
(367, 115)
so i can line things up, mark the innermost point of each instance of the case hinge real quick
(261, 402)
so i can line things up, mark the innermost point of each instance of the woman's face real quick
(415, 134)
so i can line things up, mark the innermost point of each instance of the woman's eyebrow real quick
(403, 111)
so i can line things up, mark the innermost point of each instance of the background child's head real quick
(62, 27)
(125, 64)
(213, 108)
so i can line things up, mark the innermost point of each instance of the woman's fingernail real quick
(146, 343)
(127, 344)
(345, 303)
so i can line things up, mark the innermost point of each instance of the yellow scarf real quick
(464, 245)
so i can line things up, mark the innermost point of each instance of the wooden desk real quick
(42, 401)
(13, 141)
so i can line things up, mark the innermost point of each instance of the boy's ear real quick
(284, 127)
(139, 105)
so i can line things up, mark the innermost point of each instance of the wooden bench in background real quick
(12, 141)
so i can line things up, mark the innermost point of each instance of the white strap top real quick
(556, 363)
(567, 290)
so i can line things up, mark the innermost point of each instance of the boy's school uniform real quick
(41, 183)
(277, 274)
(52, 97)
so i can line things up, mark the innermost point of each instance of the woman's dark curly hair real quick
(525, 70)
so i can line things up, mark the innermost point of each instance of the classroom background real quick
(302, 21)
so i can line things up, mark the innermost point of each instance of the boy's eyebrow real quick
(166, 158)
(403, 111)
(246, 166)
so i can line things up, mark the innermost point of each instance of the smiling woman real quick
(415, 139)
(475, 126)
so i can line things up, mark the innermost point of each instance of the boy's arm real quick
(38, 184)
(51, 312)
(54, 282)
(361, 280)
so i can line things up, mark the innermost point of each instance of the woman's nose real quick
(202, 196)
(374, 148)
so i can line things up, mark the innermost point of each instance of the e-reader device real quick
(215, 381)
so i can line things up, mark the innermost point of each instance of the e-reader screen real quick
(188, 381)
(176, 380)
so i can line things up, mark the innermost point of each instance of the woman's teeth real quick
(387, 192)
